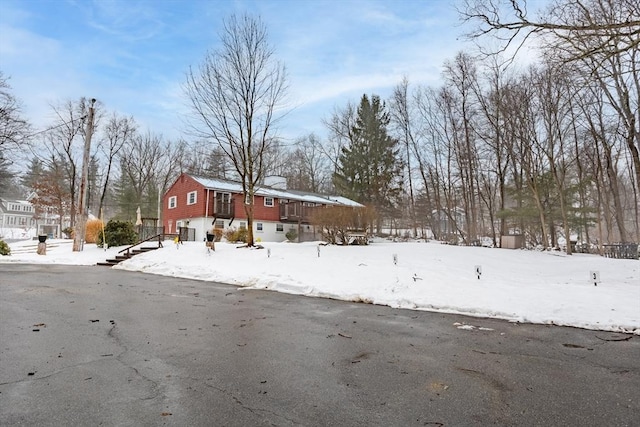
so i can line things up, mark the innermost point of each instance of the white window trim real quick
(173, 199)
(195, 197)
(267, 204)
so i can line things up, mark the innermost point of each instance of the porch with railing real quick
(224, 210)
(296, 212)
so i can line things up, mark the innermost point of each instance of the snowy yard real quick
(517, 285)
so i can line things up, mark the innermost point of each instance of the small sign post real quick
(478, 271)
(595, 277)
(318, 251)
(268, 252)
(395, 259)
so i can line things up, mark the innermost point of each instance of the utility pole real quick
(81, 214)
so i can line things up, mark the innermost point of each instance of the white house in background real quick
(200, 203)
(17, 221)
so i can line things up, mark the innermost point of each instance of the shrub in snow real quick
(93, 229)
(4, 248)
(337, 222)
(68, 233)
(291, 235)
(236, 235)
(118, 233)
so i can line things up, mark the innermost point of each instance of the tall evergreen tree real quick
(33, 174)
(369, 168)
(125, 195)
(6, 175)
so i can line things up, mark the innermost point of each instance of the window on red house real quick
(192, 198)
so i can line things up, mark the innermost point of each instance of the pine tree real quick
(125, 197)
(369, 167)
(6, 176)
(33, 174)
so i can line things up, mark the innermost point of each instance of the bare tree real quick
(618, 77)
(495, 156)
(14, 131)
(169, 166)
(117, 133)
(527, 160)
(554, 101)
(315, 164)
(236, 95)
(63, 142)
(307, 167)
(340, 126)
(604, 135)
(139, 162)
(402, 117)
(433, 156)
(461, 75)
(600, 38)
(607, 26)
(148, 164)
(201, 160)
(275, 158)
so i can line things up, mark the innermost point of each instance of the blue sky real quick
(133, 55)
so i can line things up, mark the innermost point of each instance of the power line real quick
(56, 127)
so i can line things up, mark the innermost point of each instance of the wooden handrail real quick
(159, 236)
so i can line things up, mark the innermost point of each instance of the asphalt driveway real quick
(94, 346)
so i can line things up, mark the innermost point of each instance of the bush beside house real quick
(337, 222)
(235, 235)
(118, 233)
(291, 235)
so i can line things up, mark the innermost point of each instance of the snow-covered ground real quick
(17, 233)
(517, 285)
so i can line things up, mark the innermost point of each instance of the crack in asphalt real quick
(251, 409)
(54, 373)
(155, 387)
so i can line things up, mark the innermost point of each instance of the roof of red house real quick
(263, 190)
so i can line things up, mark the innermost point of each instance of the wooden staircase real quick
(119, 258)
(129, 252)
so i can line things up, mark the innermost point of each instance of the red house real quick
(199, 204)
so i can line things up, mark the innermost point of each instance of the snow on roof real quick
(303, 196)
(18, 202)
(344, 201)
(219, 184)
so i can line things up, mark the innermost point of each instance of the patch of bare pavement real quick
(91, 346)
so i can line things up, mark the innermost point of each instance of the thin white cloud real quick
(132, 23)
(132, 55)
(26, 46)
